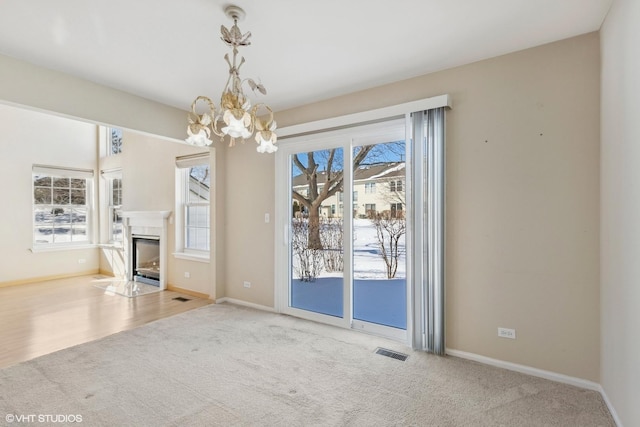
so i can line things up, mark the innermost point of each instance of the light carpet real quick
(233, 366)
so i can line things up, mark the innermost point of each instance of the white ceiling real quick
(302, 50)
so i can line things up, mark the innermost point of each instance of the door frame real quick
(347, 140)
(416, 294)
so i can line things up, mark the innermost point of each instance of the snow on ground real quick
(376, 299)
(367, 261)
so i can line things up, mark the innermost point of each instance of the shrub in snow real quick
(389, 231)
(331, 235)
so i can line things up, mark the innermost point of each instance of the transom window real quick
(114, 141)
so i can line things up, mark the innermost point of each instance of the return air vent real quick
(181, 299)
(392, 354)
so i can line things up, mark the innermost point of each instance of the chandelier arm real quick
(197, 120)
(255, 108)
(235, 118)
(212, 105)
(216, 131)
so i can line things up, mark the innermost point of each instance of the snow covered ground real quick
(376, 299)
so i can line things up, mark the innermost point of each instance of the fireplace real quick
(146, 246)
(146, 260)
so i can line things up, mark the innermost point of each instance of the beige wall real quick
(249, 241)
(522, 203)
(28, 138)
(38, 88)
(149, 182)
(620, 210)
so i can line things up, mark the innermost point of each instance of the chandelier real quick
(235, 118)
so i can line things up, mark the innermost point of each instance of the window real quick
(114, 141)
(194, 178)
(61, 207)
(355, 196)
(370, 210)
(113, 203)
(115, 211)
(333, 209)
(369, 187)
(395, 186)
(396, 210)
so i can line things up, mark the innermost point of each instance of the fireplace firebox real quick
(146, 260)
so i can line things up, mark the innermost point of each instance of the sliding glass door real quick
(379, 234)
(316, 232)
(346, 229)
(361, 212)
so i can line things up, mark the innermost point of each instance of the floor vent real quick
(392, 354)
(181, 299)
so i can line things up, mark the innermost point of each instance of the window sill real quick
(111, 246)
(206, 258)
(39, 249)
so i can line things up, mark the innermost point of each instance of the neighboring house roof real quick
(366, 172)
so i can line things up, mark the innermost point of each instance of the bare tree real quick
(322, 185)
(389, 231)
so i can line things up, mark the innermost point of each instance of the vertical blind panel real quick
(428, 135)
(435, 186)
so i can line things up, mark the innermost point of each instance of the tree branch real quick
(300, 198)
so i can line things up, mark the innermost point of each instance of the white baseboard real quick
(612, 410)
(541, 373)
(553, 376)
(245, 304)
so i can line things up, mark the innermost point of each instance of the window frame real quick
(115, 209)
(184, 165)
(370, 188)
(63, 173)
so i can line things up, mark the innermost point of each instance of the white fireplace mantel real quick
(146, 218)
(149, 224)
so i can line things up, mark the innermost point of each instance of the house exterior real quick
(378, 188)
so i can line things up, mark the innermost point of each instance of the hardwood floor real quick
(40, 318)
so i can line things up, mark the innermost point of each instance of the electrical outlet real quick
(187, 275)
(507, 333)
(247, 284)
(267, 218)
(82, 261)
